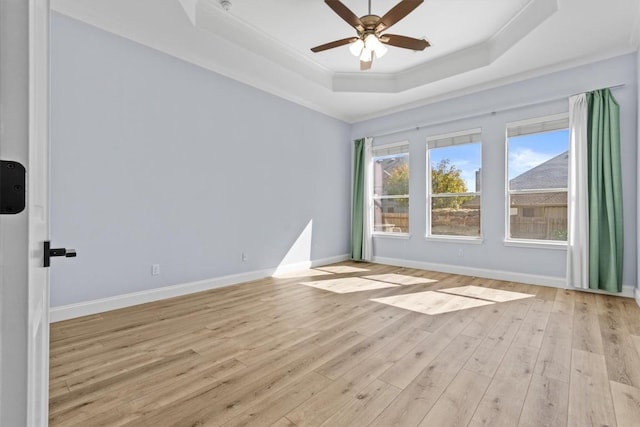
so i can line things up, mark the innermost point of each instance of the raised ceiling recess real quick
(465, 35)
(475, 44)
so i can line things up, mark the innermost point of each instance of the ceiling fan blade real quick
(345, 13)
(366, 65)
(333, 44)
(404, 42)
(396, 13)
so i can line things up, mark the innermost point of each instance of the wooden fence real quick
(400, 222)
(542, 228)
(538, 228)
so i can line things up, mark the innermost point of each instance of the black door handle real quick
(50, 252)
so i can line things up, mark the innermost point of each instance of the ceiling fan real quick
(369, 27)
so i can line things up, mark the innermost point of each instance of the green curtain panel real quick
(357, 205)
(605, 192)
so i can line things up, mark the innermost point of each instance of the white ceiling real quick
(475, 44)
(450, 25)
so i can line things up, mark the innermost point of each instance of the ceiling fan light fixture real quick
(356, 47)
(373, 43)
(365, 56)
(381, 51)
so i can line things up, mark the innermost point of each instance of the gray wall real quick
(155, 160)
(544, 95)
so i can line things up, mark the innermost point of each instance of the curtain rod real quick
(491, 112)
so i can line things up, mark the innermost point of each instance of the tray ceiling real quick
(475, 44)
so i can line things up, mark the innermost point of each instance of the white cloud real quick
(524, 159)
(467, 172)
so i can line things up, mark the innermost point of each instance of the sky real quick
(525, 153)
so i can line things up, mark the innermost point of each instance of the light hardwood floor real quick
(275, 352)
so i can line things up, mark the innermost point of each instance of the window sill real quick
(392, 235)
(537, 244)
(455, 239)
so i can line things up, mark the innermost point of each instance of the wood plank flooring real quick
(274, 352)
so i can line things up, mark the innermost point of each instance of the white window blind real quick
(545, 125)
(390, 150)
(458, 138)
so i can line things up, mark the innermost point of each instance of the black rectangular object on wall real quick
(12, 187)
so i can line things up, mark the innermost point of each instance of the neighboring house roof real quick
(554, 173)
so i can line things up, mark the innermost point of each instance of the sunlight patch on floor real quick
(342, 269)
(430, 302)
(301, 273)
(489, 294)
(349, 284)
(400, 279)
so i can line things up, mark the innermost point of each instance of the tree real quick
(397, 183)
(445, 178)
(398, 180)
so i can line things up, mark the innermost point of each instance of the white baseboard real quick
(510, 276)
(87, 308)
(637, 295)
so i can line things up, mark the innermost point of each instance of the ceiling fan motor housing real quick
(369, 22)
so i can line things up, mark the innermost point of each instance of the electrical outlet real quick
(155, 269)
(245, 257)
(460, 252)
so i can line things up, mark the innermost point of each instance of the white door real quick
(24, 282)
(38, 213)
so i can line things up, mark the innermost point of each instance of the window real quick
(537, 174)
(391, 188)
(454, 183)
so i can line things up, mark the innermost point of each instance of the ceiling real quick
(476, 44)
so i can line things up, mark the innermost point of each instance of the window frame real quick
(429, 195)
(372, 204)
(522, 242)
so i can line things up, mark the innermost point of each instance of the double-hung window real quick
(454, 184)
(537, 179)
(391, 188)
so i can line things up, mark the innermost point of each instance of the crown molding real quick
(209, 16)
(201, 32)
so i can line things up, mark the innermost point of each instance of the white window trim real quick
(374, 197)
(536, 244)
(383, 234)
(444, 237)
(455, 239)
(528, 243)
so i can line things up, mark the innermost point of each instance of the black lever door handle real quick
(51, 252)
